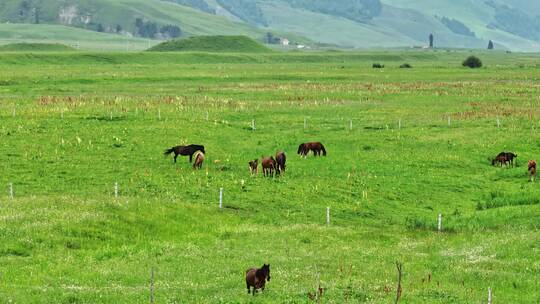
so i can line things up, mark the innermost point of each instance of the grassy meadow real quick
(74, 124)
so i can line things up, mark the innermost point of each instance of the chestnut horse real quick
(280, 162)
(316, 147)
(532, 169)
(268, 166)
(199, 159)
(257, 278)
(184, 151)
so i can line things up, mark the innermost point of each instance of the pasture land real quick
(74, 124)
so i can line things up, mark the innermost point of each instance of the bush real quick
(405, 66)
(378, 66)
(472, 62)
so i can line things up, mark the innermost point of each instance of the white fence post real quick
(207, 115)
(11, 190)
(220, 198)
(305, 123)
(350, 124)
(159, 114)
(498, 122)
(14, 112)
(490, 296)
(116, 189)
(449, 121)
(439, 223)
(253, 124)
(399, 124)
(327, 215)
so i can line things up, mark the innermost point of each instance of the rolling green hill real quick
(35, 47)
(234, 44)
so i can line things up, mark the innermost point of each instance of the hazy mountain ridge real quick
(511, 24)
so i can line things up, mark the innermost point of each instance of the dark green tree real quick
(490, 45)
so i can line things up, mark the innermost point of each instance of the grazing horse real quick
(316, 147)
(199, 159)
(280, 162)
(510, 157)
(253, 165)
(268, 166)
(500, 159)
(257, 278)
(532, 169)
(504, 158)
(184, 151)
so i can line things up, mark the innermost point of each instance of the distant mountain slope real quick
(120, 16)
(511, 24)
(74, 37)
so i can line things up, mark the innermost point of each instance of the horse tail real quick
(168, 151)
(323, 150)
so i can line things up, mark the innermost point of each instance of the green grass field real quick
(74, 124)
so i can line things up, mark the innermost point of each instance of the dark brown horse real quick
(268, 166)
(257, 278)
(281, 159)
(253, 165)
(184, 151)
(316, 147)
(199, 159)
(504, 158)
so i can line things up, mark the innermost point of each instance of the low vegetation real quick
(35, 47)
(228, 44)
(472, 62)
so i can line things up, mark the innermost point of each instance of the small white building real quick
(285, 42)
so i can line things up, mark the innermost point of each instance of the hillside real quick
(70, 36)
(232, 44)
(144, 18)
(512, 24)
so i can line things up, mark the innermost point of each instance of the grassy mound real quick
(35, 47)
(233, 44)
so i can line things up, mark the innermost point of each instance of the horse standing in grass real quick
(257, 278)
(199, 159)
(532, 169)
(510, 157)
(499, 160)
(316, 147)
(281, 159)
(184, 151)
(253, 165)
(268, 166)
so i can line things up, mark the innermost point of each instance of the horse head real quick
(266, 271)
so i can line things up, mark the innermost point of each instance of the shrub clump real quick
(472, 62)
(378, 66)
(405, 66)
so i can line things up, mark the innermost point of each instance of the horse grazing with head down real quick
(316, 147)
(281, 159)
(257, 277)
(184, 151)
(504, 158)
(268, 166)
(199, 159)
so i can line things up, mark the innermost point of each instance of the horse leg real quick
(190, 158)
(247, 285)
(175, 156)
